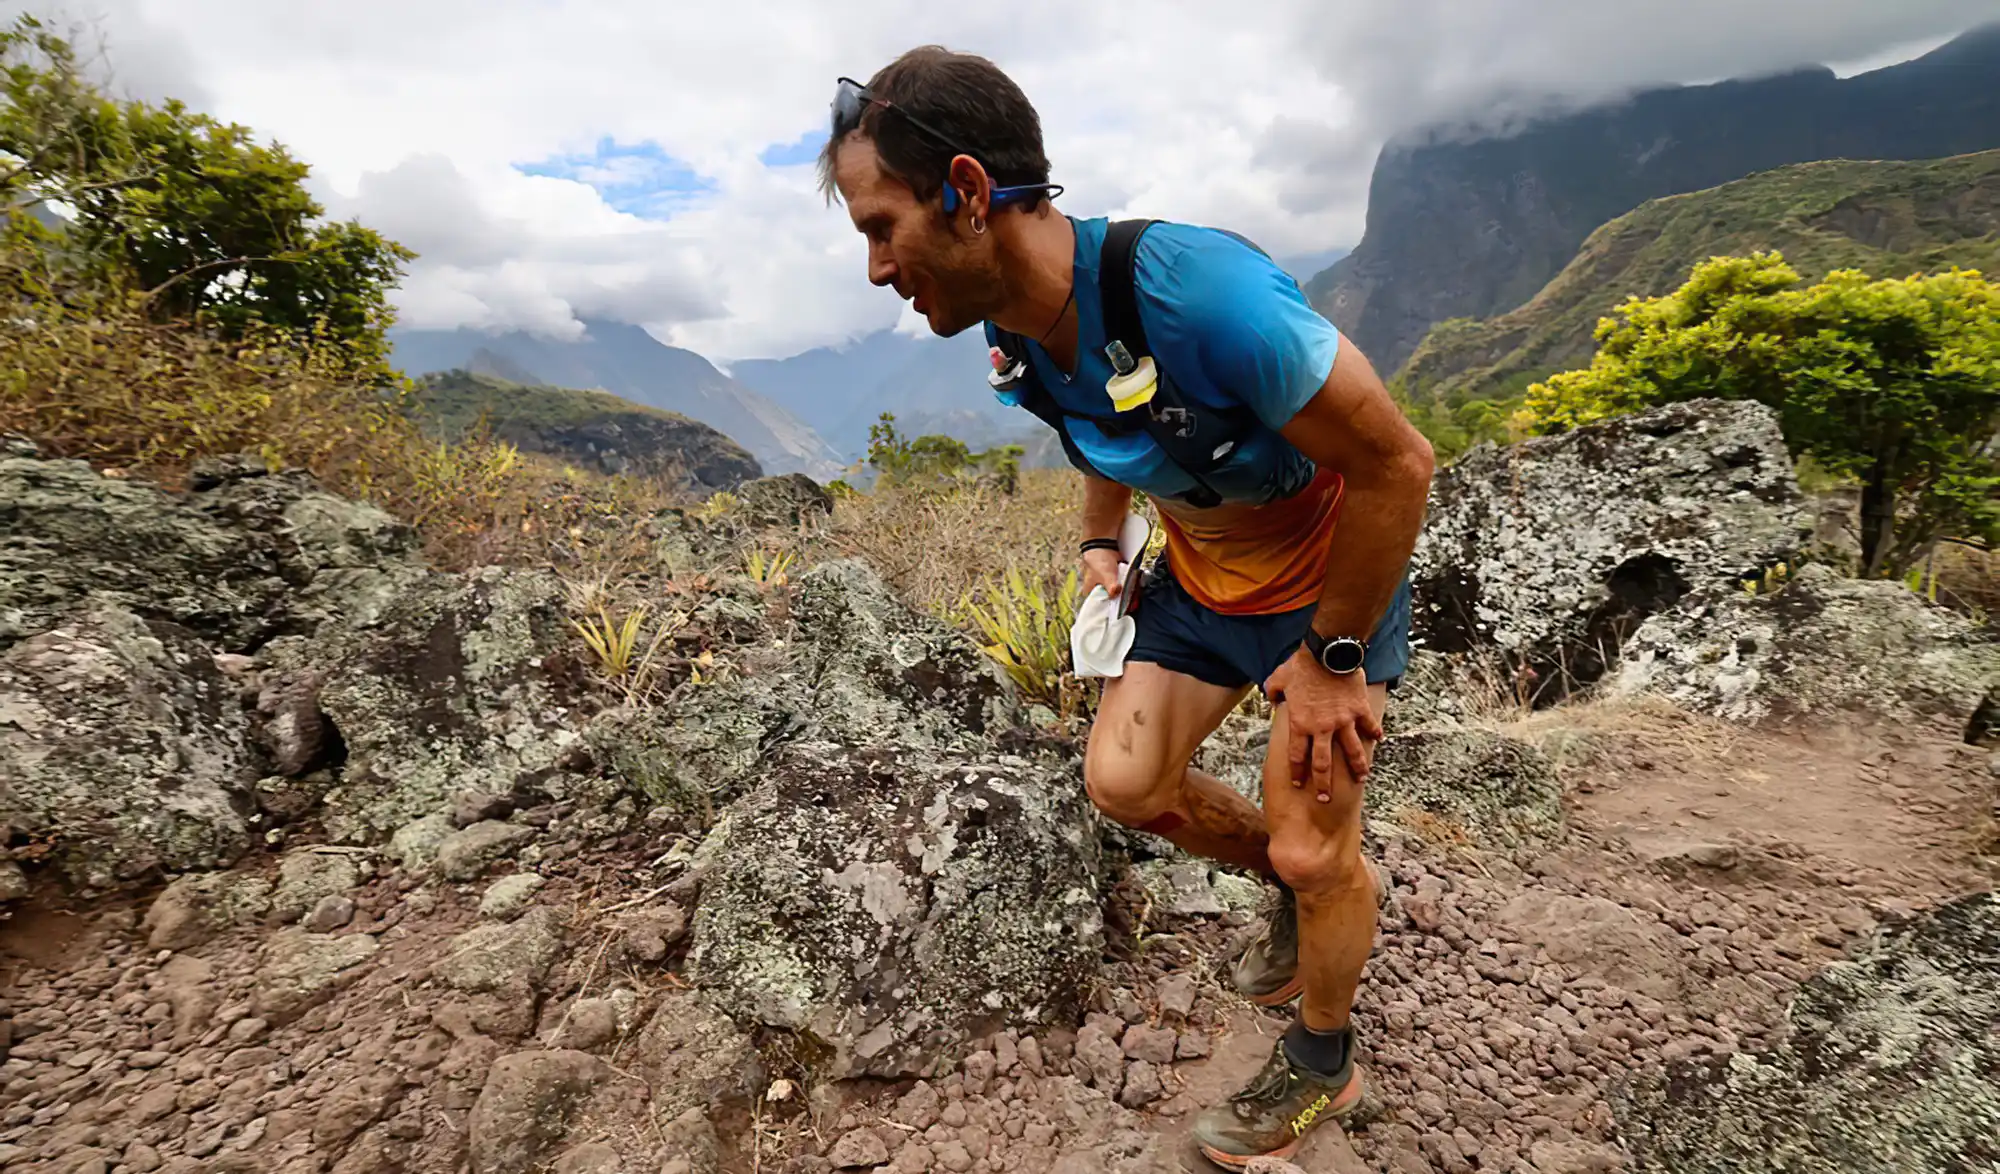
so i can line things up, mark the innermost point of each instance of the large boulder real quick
(890, 906)
(858, 668)
(463, 683)
(124, 746)
(1552, 551)
(1891, 1065)
(1819, 646)
(244, 556)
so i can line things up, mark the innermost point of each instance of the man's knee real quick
(1128, 790)
(1312, 861)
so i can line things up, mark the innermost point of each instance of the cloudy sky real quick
(651, 162)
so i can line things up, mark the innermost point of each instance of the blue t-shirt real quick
(1227, 323)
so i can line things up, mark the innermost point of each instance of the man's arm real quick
(1352, 427)
(1105, 504)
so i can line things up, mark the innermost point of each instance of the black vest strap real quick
(1116, 288)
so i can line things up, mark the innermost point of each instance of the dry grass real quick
(96, 380)
(936, 548)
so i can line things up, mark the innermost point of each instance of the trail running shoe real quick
(1275, 1111)
(1267, 972)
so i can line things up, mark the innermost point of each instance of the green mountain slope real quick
(1470, 229)
(1890, 219)
(594, 429)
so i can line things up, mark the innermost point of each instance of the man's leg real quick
(1149, 724)
(1316, 849)
(1311, 1077)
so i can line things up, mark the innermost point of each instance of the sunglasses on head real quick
(851, 100)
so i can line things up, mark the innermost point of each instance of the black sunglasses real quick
(851, 100)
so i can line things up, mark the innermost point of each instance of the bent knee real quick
(1126, 790)
(1312, 862)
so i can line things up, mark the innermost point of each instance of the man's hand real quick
(1322, 708)
(1100, 568)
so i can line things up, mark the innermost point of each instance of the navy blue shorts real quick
(1177, 633)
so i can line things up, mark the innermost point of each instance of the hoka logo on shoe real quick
(1304, 1120)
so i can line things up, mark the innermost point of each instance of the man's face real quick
(953, 281)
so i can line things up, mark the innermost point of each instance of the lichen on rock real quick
(889, 905)
(1820, 645)
(123, 744)
(1552, 550)
(1890, 1066)
(465, 682)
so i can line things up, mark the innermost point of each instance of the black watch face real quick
(1343, 655)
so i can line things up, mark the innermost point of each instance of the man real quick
(939, 160)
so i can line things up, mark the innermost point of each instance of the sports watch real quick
(1341, 655)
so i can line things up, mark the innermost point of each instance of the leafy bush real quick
(1023, 621)
(1895, 383)
(199, 221)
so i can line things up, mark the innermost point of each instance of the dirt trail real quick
(1708, 870)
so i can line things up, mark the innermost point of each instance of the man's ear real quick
(974, 186)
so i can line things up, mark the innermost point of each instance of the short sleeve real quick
(1216, 301)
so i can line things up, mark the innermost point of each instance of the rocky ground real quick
(319, 861)
(391, 1022)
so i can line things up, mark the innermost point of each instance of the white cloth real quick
(1099, 637)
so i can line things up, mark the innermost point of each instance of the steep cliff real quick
(1462, 229)
(1889, 219)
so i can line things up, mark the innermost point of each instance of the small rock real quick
(918, 1108)
(1192, 1045)
(332, 912)
(691, 1138)
(1717, 856)
(308, 875)
(1142, 1085)
(953, 1156)
(594, 1158)
(523, 1109)
(416, 844)
(247, 1031)
(142, 1158)
(858, 1148)
(1152, 1044)
(464, 855)
(509, 895)
(1177, 995)
(298, 971)
(473, 807)
(13, 882)
(507, 956)
(195, 909)
(144, 1060)
(587, 1024)
(1103, 1060)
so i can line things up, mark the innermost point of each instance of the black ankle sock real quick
(1321, 1052)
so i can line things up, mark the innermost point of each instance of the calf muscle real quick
(1148, 726)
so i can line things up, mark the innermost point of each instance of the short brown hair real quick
(961, 96)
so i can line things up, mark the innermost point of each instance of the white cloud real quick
(420, 115)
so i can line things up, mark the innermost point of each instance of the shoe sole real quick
(1284, 994)
(1338, 1111)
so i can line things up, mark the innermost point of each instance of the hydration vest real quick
(1196, 436)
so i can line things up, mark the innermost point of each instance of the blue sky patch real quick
(804, 150)
(636, 178)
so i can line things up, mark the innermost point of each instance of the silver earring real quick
(978, 226)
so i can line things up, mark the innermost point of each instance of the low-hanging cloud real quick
(427, 120)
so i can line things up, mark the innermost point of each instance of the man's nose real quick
(881, 267)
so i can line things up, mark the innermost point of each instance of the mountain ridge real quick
(1890, 218)
(628, 362)
(1472, 229)
(607, 433)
